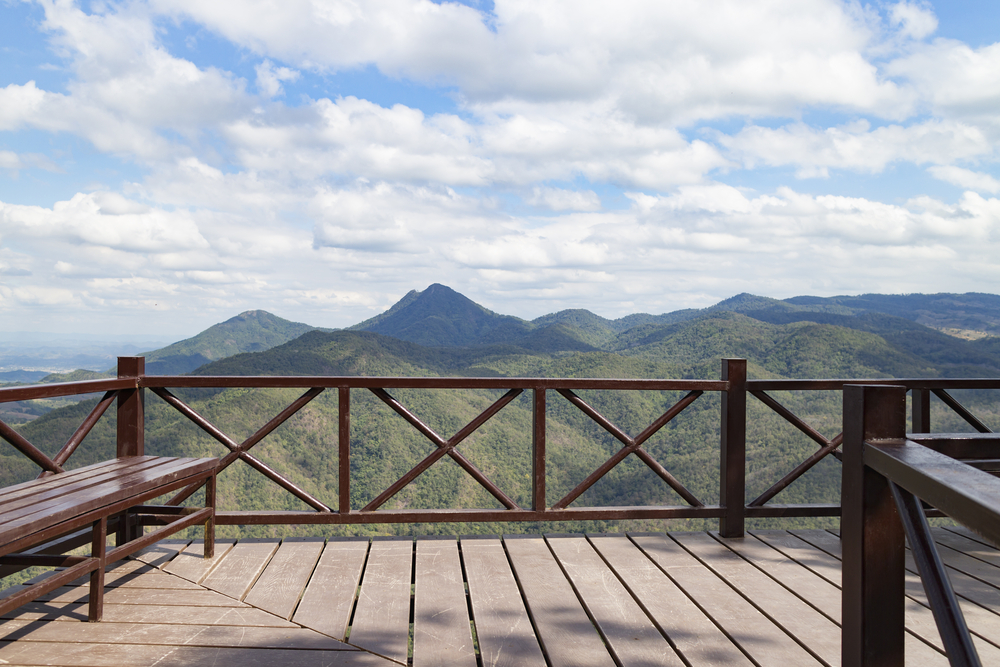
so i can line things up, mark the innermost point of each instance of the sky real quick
(167, 164)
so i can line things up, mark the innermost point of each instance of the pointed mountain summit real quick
(252, 331)
(440, 316)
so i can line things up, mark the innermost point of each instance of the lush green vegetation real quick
(779, 339)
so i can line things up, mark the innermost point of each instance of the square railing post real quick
(871, 533)
(131, 409)
(921, 404)
(733, 449)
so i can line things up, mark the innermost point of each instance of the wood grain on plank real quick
(442, 633)
(329, 596)
(816, 560)
(750, 629)
(694, 635)
(810, 628)
(162, 552)
(235, 574)
(382, 618)
(280, 585)
(506, 638)
(143, 596)
(139, 655)
(564, 630)
(633, 638)
(191, 563)
(150, 613)
(168, 634)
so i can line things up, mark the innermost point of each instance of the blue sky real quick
(166, 164)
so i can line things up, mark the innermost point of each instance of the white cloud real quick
(557, 199)
(965, 178)
(269, 78)
(915, 20)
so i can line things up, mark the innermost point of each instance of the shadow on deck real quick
(772, 598)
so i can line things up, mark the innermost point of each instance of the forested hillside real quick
(777, 342)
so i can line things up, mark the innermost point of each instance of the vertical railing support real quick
(131, 409)
(733, 449)
(871, 533)
(538, 451)
(920, 400)
(344, 408)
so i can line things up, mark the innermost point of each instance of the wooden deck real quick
(772, 598)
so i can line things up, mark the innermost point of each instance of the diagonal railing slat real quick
(631, 446)
(444, 447)
(239, 451)
(84, 429)
(19, 443)
(827, 447)
(961, 410)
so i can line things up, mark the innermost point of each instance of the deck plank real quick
(633, 638)
(750, 629)
(329, 596)
(240, 567)
(819, 634)
(144, 596)
(382, 618)
(565, 632)
(282, 582)
(149, 613)
(191, 563)
(506, 638)
(442, 633)
(691, 632)
(139, 655)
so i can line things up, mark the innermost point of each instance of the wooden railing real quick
(888, 476)
(732, 510)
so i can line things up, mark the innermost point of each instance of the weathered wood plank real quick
(750, 629)
(191, 563)
(967, 545)
(382, 618)
(235, 574)
(280, 585)
(149, 613)
(815, 560)
(168, 635)
(819, 634)
(691, 632)
(329, 597)
(161, 553)
(200, 598)
(632, 637)
(564, 631)
(442, 634)
(138, 655)
(506, 638)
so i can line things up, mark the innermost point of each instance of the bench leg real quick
(210, 524)
(98, 550)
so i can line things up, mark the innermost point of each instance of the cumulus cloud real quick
(557, 199)
(269, 78)
(965, 178)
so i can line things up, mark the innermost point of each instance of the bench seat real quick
(41, 510)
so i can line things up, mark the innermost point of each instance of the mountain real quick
(440, 316)
(252, 331)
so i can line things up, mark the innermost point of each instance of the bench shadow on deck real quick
(772, 598)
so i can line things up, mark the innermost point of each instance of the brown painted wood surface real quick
(442, 632)
(506, 638)
(328, 600)
(688, 628)
(280, 585)
(564, 629)
(382, 618)
(714, 601)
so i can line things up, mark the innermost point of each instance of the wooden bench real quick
(37, 512)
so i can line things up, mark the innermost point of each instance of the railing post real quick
(921, 408)
(871, 533)
(538, 451)
(733, 449)
(344, 461)
(131, 409)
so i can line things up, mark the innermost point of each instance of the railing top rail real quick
(55, 389)
(373, 382)
(909, 383)
(968, 495)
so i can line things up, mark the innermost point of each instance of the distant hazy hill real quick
(252, 331)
